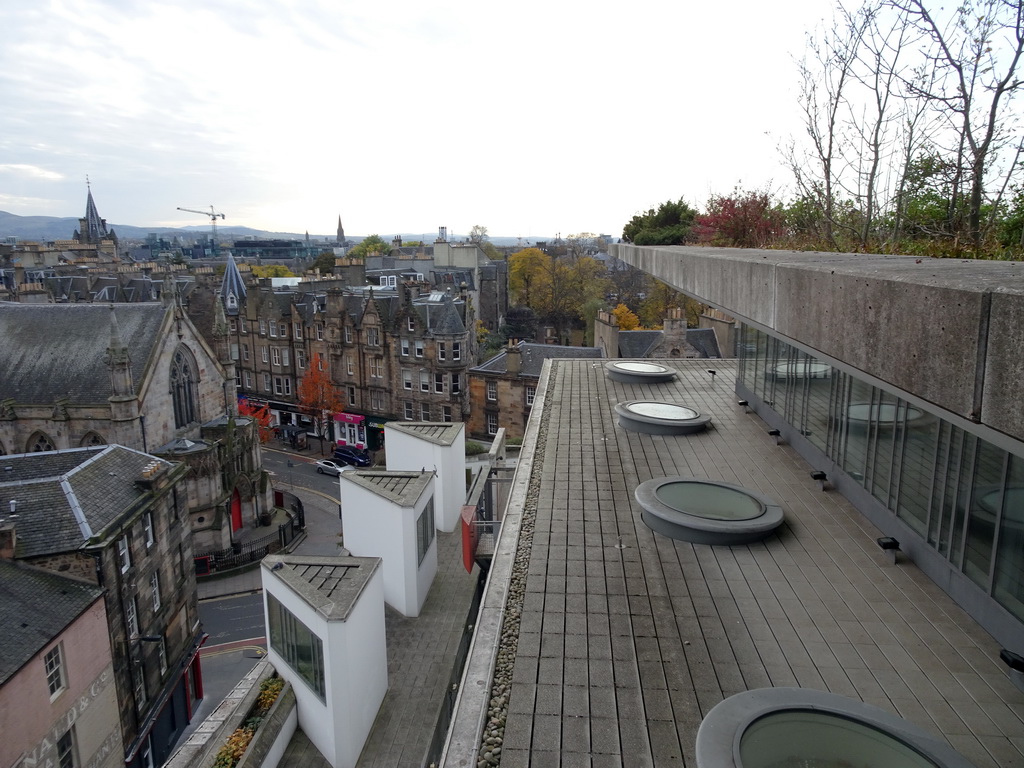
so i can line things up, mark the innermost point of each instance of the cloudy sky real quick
(530, 118)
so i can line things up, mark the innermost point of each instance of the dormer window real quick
(232, 301)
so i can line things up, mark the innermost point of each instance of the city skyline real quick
(398, 118)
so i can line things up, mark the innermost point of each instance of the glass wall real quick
(298, 646)
(961, 494)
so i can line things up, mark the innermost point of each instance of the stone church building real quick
(138, 375)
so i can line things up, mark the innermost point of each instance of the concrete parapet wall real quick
(946, 330)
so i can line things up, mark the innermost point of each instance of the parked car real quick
(346, 454)
(328, 467)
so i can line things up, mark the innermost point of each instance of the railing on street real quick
(243, 553)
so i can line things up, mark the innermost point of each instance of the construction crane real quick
(213, 222)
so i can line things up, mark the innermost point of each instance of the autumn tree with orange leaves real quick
(319, 399)
(260, 414)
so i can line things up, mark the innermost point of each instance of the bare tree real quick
(976, 56)
(825, 74)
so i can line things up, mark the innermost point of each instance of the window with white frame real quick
(376, 400)
(247, 375)
(238, 377)
(348, 334)
(234, 350)
(273, 329)
(267, 385)
(492, 390)
(319, 332)
(424, 381)
(456, 383)
(282, 385)
(233, 325)
(245, 352)
(154, 589)
(319, 362)
(275, 356)
(266, 354)
(442, 350)
(425, 530)
(376, 368)
(243, 325)
(161, 650)
(438, 383)
(138, 674)
(456, 350)
(131, 616)
(405, 347)
(412, 324)
(300, 359)
(446, 413)
(406, 379)
(147, 530)
(284, 356)
(373, 336)
(492, 423)
(350, 367)
(408, 410)
(424, 411)
(53, 665)
(66, 757)
(531, 393)
(263, 327)
(124, 553)
(282, 330)
(419, 348)
(297, 331)
(351, 392)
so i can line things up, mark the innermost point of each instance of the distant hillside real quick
(46, 228)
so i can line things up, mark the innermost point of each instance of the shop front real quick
(365, 432)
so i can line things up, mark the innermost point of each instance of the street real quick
(302, 473)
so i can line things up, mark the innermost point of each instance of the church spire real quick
(341, 232)
(92, 229)
(232, 287)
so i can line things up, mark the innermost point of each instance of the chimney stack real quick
(513, 358)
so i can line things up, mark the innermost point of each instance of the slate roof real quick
(638, 343)
(53, 351)
(534, 356)
(329, 585)
(65, 498)
(439, 434)
(401, 488)
(35, 607)
(704, 341)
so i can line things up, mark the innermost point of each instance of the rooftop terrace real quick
(617, 641)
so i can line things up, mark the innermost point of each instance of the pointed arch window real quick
(184, 387)
(92, 438)
(39, 442)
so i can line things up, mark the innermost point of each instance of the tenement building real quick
(113, 518)
(397, 352)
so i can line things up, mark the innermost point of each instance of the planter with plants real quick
(240, 741)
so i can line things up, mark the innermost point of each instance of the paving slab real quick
(674, 628)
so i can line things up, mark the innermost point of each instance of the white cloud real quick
(529, 119)
(30, 171)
